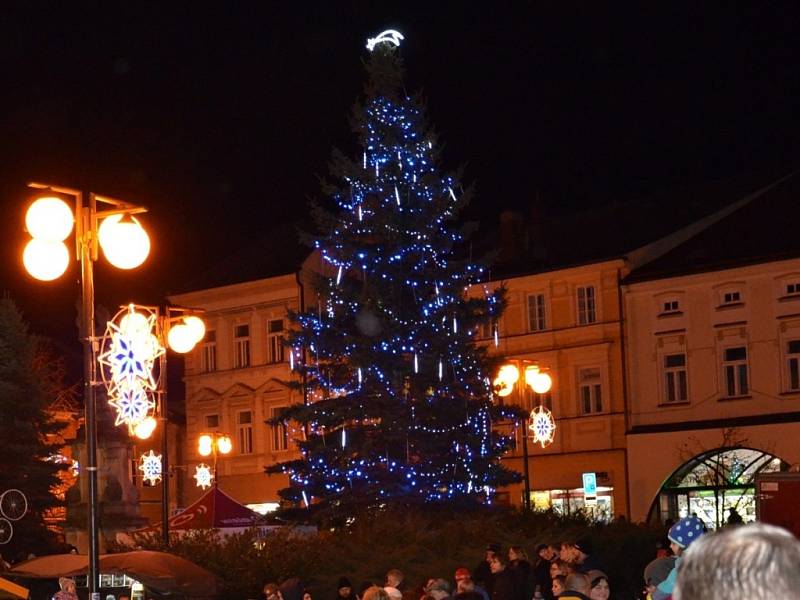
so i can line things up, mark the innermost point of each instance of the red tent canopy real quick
(213, 510)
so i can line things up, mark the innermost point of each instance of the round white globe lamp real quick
(49, 219)
(45, 260)
(124, 242)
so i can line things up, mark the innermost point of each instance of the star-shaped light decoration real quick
(133, 404)
(203, 475)
(128, 358)
(542, 426)
(150, 466)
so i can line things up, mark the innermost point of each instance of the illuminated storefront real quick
(573, 502)
(712, 484)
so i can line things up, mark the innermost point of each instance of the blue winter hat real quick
(685, 531)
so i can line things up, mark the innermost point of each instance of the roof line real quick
(650, 252)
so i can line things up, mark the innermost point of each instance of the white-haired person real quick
(747, 561)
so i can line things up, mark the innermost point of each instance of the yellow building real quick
(568, 322)
(713, 353)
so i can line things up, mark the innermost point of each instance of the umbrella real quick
(158, 570)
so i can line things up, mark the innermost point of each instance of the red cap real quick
(462, 574)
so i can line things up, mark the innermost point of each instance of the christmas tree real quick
(29, 379)
(398, 396)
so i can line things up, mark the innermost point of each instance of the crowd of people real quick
(740, 561)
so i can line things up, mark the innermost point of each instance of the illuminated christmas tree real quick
(399, 401)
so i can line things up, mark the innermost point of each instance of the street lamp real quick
(49, 220)
(542, 426)
(213, 443)
(134, 360)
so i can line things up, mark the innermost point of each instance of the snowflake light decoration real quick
(150, 466)
(203, 475)
(542, 426)
(128, 357)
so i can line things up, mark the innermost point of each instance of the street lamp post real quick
(125, 244)
(214, 443)
(508, 380)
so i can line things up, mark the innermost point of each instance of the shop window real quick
(537, 316)
(793, 365)
(734, 372)
(245, 432)
(242, 346)
(208, 352)
(590, 391)
(675, 381)
(587, 307)
(275, 338)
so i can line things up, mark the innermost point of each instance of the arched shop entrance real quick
(711, 483)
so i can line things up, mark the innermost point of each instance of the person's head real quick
(124, 597)
(558, 585)
(344, 587)
(393, 593)
(555, 569)
(750, 561)
(491, 551)
(598, 586)
(375, 593)
(365, 585)
(307, 595)
(657, 571)
(555, 551)
(577, 582)
(394, 577)
(438, 589)
(568, 552)
(66, 584)
(271, 591)
(463, 579)
(542, 551)
(517, 553)
(683, 533)
(497, 564)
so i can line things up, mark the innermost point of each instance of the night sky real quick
(220, 121)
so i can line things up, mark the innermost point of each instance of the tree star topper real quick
(390, 36)
(150, 466)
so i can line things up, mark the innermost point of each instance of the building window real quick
(793, 289)
(590, 391)
(734, 369)
(208, 356)
(587, 312)
(731, 297)
(675, 385)
(537, 320)
(487, 328)
(280, 433)
(245, 425)
(793, 365)
(670, 306)
(242, 346)
(212, 422)
(275, 339)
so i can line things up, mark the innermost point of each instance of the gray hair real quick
(749, 561)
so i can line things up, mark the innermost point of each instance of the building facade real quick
(568, 322)
(235, 382)
(713, 353)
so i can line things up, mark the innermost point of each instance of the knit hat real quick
(493, 547)
(685, 531)
(344, 582)
(540, 547)
(584, 545)
(462, 574)
(658, 570)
